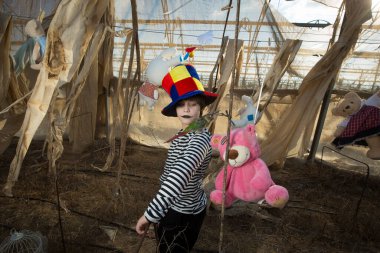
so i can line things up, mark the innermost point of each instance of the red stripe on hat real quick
(167, 83)
(185, 86)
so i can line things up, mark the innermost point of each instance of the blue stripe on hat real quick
(192, 71)
(174, 93)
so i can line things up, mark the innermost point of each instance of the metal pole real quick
(321, 121)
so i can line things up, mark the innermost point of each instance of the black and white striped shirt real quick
(188, 158)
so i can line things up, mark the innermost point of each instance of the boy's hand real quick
(142, 225)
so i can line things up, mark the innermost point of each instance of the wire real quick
(59, 213)
(202, 30)
(375, 42)
(181, 6)
(214, 37)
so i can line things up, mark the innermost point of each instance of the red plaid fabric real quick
(368, 117)
(147, 89)
(364, 123)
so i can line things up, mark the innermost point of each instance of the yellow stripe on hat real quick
(179, 73)
(199, 84)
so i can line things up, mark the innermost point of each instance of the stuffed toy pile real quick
(362, 123)
(248, 177)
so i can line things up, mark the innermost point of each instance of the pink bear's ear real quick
(250, 129)
(215, 140)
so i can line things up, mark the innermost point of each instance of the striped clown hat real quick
(180, 83)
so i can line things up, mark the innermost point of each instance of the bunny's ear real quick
(250, 129)
(216, 140)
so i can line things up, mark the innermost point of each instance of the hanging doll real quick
(33, 50)
(362, 123)
(155, 72)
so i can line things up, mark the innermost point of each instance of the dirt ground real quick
(320, 216)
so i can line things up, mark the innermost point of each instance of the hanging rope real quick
(253, 43)
(15, 102)
(223, 42)
(130, 97)
(234, 81)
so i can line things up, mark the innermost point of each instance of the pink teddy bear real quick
(248, 177)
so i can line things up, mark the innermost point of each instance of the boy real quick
(180, 204)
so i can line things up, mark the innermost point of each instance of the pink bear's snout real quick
(233, 154)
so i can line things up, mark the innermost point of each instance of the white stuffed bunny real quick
(155, 72)
(247, 114)
(161, 65)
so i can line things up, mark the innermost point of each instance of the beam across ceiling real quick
(216, 48)
(217, 22)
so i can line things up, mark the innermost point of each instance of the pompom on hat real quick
(180, 83)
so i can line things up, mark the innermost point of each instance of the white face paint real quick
(187, 111)
(243, 155)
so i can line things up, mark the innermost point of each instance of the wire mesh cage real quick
(25, 241)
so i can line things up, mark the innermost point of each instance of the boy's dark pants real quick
(178, 232)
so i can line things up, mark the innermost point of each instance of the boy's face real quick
(188, 110)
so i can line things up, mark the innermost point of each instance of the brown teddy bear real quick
(362, 123)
